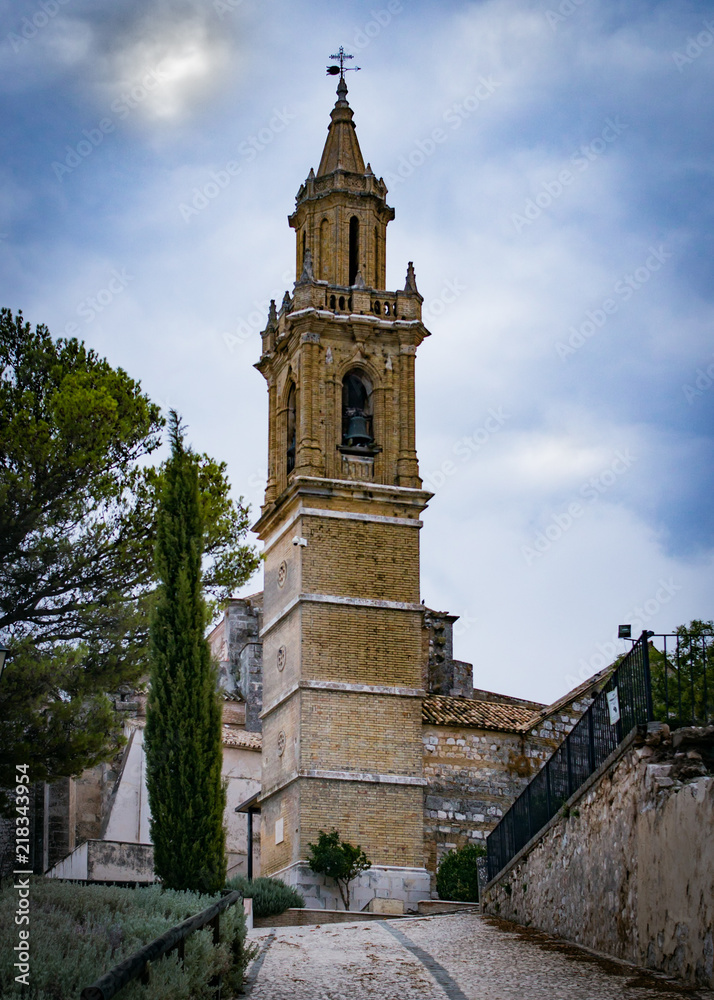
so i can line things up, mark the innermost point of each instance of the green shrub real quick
(79, 932)
(270, 896)
(457, 874)
(338, 859)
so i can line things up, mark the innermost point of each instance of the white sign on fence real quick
(613, 706)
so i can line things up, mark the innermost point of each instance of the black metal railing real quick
(674, 684)
(683, 676)
(624, 702)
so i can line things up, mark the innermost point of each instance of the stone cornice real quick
(362, 776)
(335, 490)
(319, 685)
(354, 602)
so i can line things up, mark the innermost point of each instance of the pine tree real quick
(183, 726)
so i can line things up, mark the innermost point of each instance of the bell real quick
(357, 430)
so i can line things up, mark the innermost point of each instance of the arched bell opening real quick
(377, 270)
(354, 249)
(324, 264)
(357, 412)
(291, 427)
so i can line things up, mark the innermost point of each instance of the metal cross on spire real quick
(341, 69)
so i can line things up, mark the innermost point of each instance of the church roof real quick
(442, 710)
(233, 737)
(341, 150)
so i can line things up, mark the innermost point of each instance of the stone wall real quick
(627, 868)
(407, 886)
(474, 774)
(236, 645)
(444, 674)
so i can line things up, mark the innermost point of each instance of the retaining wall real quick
(627, 868)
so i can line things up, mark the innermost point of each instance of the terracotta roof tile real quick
(233, 737)
(440, 710)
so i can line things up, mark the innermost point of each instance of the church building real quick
(344, 705)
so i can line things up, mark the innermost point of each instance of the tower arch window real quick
(354, 249)
(291, 424)
(357, 413)
(324, 270)
(376, 258)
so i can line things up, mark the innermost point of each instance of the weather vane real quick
(341, 69)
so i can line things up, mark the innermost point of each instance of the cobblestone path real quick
(460, 957)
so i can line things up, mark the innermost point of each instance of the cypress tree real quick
(183, 726)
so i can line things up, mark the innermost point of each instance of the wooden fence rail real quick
(137, 965)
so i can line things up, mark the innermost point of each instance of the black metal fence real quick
(674, 684)
(624, 702)
(682, 669)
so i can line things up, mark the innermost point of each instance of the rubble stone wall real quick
(474, 775)
(627, 868)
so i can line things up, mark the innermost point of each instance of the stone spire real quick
(341, 212)
(341, 150)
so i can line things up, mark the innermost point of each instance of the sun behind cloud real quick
(166, 71)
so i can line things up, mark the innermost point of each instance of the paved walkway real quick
(460, 957)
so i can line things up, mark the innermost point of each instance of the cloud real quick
(518, 100)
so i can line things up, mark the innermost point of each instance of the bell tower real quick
(342, 636)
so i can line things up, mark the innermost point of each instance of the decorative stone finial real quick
(272, 315)
(359, 281)
(410, 284)
(287, 303)
(307, 272)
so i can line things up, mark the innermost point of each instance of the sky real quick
(550, 165)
